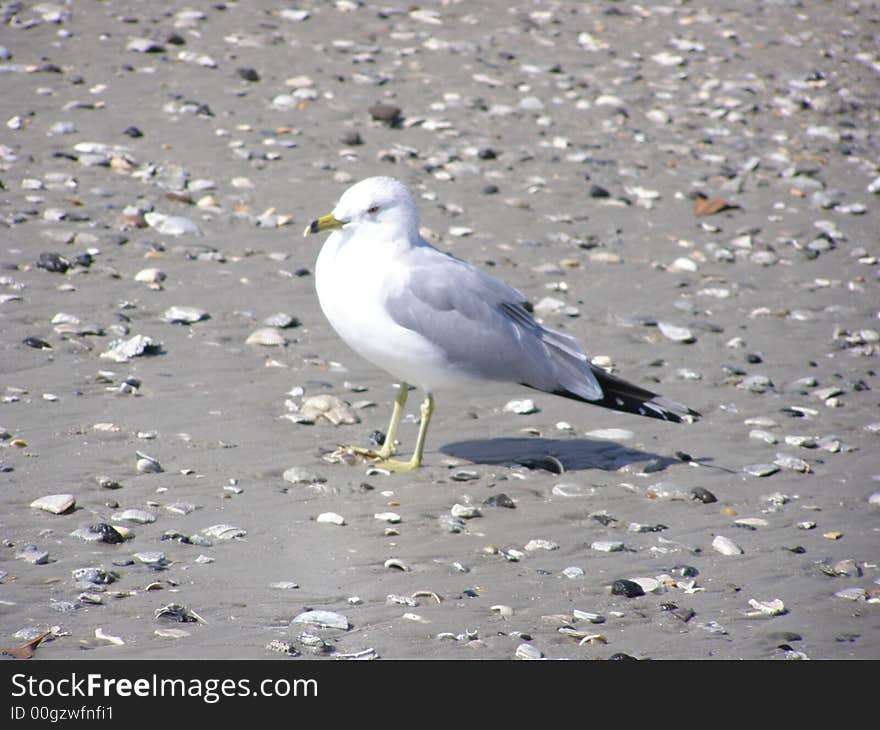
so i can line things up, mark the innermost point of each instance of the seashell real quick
(540, 544)
(331, 518)
(767, 608)
(281, 320)
(503, 611)
(792, 462)
(125, 350)
(465, 512)
(152, 277)
(223, 532)
(284, 585)
(98, 576)
(649, 585)
(334, 409)
(521, 407)
(151, 557)
(171, 225)
(57, 504)
(607, 546)
(573, 572)
(266, 336)
(323, 619)
(115, 640)
(139, 516)
(528, 651)
(177, 612)
(178, 314)
(726, 546)
(395, 563)
(676, 333)
(593, 618)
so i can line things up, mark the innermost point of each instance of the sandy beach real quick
(690, 190)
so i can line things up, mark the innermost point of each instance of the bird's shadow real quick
(561, 454)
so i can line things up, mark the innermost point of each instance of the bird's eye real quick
(373, 209)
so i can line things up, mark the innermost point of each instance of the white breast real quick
(350, 282)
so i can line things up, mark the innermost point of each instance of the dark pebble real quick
(487, 153)
(387, 113)
(754, 358)
(627, 588)
(37, 343)
(683, 614)
(685, 571)
(132, 132)
(793, 412)
(176, 39)
(621, 657)
(352, 137)
(603, 519)
(500, 500)
(683, 456)
(108, 533)
(797, 549)
(470, 593)
(703, 495)
(377, 438)
(83, 259)
(53, 262)
(248, 74)
(597, 191)
(490, 190)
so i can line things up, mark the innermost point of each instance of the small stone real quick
(700, 494)
(500, 500)
(223, 532)
(138, 516)
(465, 512)
(761, 470)
(387, 113)
(607, 546)
(521, 407)
(528, 651)
(57, 504)
(573, 572)
(33, 555)
(793, 463)
(627, 588)
(676, 333)
(184, 315)
(726, 546)
(323, 619)
(330, 518)
(539, 544)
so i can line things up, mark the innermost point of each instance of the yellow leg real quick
(396, 414)
(416, 461)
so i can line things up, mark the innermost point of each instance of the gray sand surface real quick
(514, 119)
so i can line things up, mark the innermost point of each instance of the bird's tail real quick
(620, 395)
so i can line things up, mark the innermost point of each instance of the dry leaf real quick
(709, 206)
(26, 650)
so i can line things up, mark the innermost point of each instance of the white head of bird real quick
(373, 202)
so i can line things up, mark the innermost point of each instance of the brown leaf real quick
(710, 206)
(26, 650)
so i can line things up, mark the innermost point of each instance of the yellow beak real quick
(324, 223)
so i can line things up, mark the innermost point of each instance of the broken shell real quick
(395, 563)
(57, 504)
(726, 546)
(115, 640)
(178, 314)
(323, 619)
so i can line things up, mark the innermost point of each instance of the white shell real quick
(331, 518)
(184, 315)
(676, 333)
(266, 336)
(541, 545)
(607, 546)
(223, 532)
(528, 651)
(55, 503)
(115, 640)
(465, 511)
(139, 516)
(726, 546)
(767, 608)
(323, 619)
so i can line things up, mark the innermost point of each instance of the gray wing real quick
(484, 329)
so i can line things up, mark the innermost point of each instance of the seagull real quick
(437, 322)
